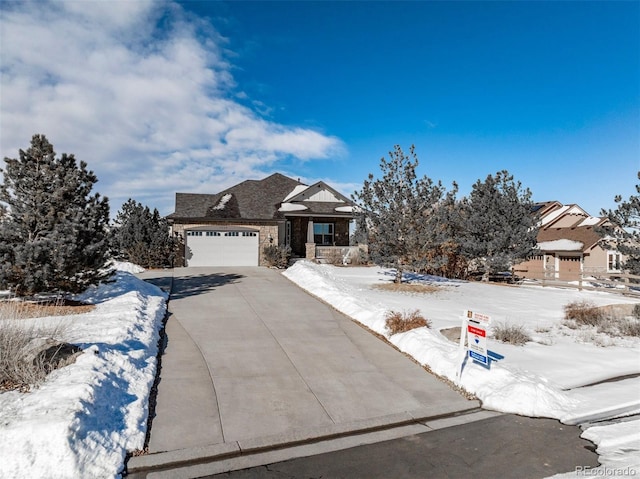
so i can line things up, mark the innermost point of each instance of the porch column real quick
(310, 231)
(310, 246)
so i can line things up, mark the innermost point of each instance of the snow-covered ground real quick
(547, 377)
(85, 417)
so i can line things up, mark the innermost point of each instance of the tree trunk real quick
(398, 278)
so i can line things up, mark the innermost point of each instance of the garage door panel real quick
(223, 250)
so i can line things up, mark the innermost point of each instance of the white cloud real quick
(151, 110)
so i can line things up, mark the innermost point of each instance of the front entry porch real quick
(309, 236)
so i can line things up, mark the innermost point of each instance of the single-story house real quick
(231, 228)
(569, 245)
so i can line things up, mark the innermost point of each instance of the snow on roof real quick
(291, 207)
(561, 245)
(590, 221)
(222, 203)
(344, 209)
(553, 215)
(296, 191)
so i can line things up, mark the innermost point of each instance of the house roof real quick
(256, 200)
(583, 234)
(544, 207)
(309, 193)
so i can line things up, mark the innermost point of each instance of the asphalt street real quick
(505, 446)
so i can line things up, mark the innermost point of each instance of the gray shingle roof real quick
(249, 200)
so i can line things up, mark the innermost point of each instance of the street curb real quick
(215, 452)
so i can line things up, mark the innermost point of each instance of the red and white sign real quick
(473, 335)
(477, 343)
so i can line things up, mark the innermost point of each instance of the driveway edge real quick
(139, 466)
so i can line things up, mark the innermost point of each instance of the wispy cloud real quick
(144, 93)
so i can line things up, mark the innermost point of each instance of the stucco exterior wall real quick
(596, 261)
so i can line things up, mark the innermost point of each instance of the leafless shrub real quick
(277, 256)
(629, 327)
(511, 333)
(604, 320)
(20, 367)
(335, 257)
(397, 322)
(359, 258)
(584, 313)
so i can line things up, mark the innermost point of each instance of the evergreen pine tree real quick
(500, 229)
(54, 236)
(142, 236)
(625, 229)
(397, 212)
(447, 225)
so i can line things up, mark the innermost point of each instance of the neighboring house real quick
(231, 228)
(569, 245)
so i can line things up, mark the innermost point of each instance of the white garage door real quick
(222, 248)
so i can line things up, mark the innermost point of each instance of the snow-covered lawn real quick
(85, 417)
(547, 377)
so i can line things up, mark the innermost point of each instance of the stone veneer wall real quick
(265, 229)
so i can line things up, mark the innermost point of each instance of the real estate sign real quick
(477, 339)
(473, 338)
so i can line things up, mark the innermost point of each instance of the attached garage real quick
(222, 246)
(569, 268)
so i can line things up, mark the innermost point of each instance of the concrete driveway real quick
(252, 362)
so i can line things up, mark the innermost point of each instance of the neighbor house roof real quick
(257, 200)
(583, 234)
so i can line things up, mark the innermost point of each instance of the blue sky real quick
(161, 97)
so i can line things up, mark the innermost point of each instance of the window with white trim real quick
(614, 262)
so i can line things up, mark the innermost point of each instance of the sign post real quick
(473, 332)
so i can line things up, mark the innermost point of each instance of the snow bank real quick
(85, 417)
(533, 380)
(127, 267)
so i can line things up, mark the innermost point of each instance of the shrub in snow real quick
(584, 313)
(629, 327)
(603, 319)
(28, 354)
(397, 322)
(335, 257)
(511, 333)
(277, 256)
